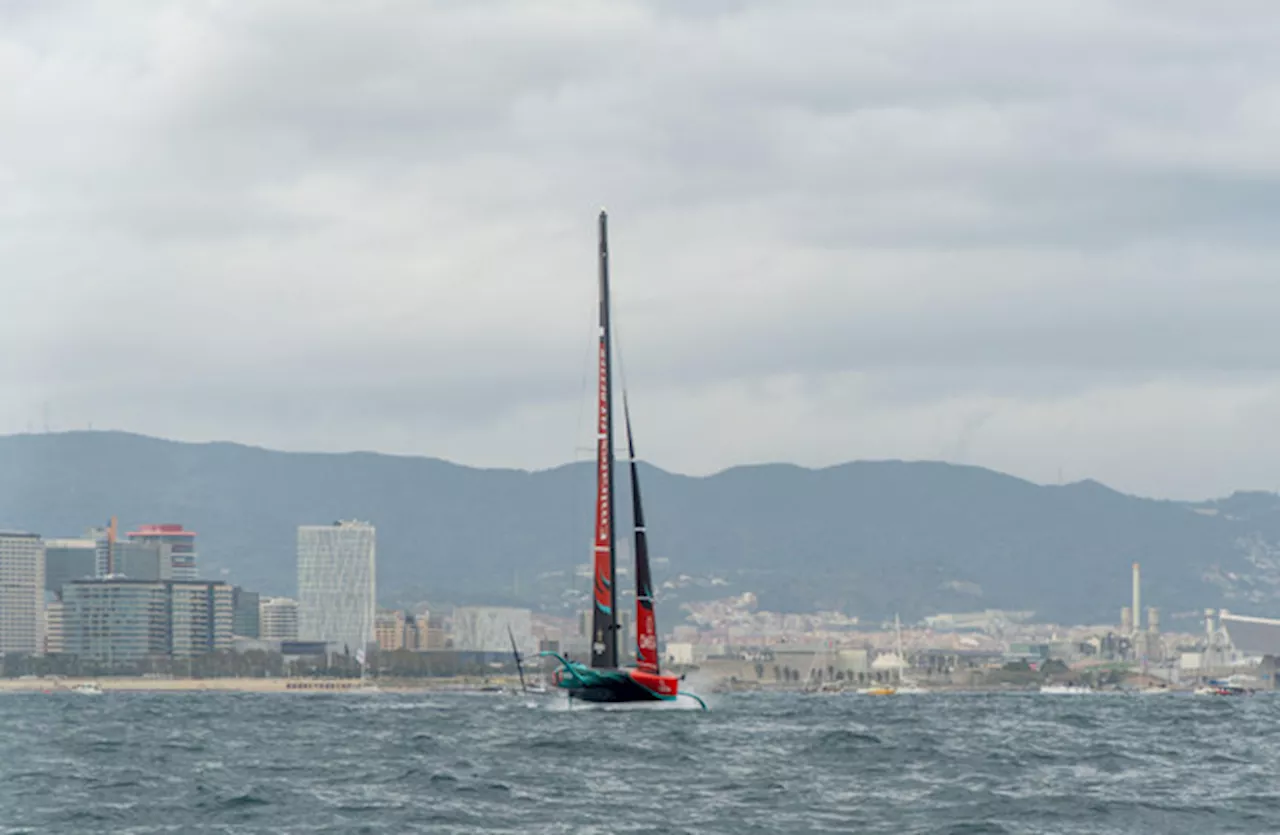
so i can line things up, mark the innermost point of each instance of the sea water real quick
(394, 763)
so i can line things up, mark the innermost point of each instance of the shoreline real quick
(139, 684)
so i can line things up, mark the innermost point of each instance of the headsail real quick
(604, 624)
(646, 626)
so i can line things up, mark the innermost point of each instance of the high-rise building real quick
(117, 621)
(425, 631)
(141, 560)
(54, 641)
(177, 545)
(389, 629)
(104, 540)
(278, 619)
(337, 584)
(66, 560)
(247, 616)
(416, 628)
(21, 592)
(200, 618)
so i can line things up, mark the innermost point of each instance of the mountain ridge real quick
(868, 537)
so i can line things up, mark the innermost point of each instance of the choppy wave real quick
(153, 763)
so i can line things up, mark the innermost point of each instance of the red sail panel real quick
(646, 637)
(603, 637)
(603, 492)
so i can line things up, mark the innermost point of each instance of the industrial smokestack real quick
(1137, 598)
(1208, 639)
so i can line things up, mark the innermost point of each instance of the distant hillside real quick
(870, 538)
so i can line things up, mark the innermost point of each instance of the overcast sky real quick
(1038, 237)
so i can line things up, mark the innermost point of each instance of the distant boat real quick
(1066, 689)
(526, 689)
(904, 685)
(821, 661)
(1222, 688)
(88, 688)
(604, 680)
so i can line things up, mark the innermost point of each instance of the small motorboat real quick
(909, 688)
(1065, 689)
(1222, 688)
(88, 688)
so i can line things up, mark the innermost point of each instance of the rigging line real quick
(622, 368)
(589, 347)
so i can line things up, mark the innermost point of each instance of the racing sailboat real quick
(604, 680)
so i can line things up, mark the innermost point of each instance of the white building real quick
(679, 652)
(484, 629)
(21, 592)
(54, 640)
(278, 619)
(337, 585)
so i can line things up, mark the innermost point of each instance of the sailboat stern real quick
(594, 684)
(661, 686)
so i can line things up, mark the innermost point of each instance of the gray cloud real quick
(983, 230)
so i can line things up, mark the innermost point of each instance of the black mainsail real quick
(646, 625)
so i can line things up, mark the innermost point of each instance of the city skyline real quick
(122, 625)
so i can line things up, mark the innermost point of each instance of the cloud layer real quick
(1034, 237)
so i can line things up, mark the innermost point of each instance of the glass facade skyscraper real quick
(246, 619)
(337, 584)
(117, 621)
(138, 560)
(66, 560)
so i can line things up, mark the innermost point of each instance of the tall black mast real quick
(608, 400)
(604, 649)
